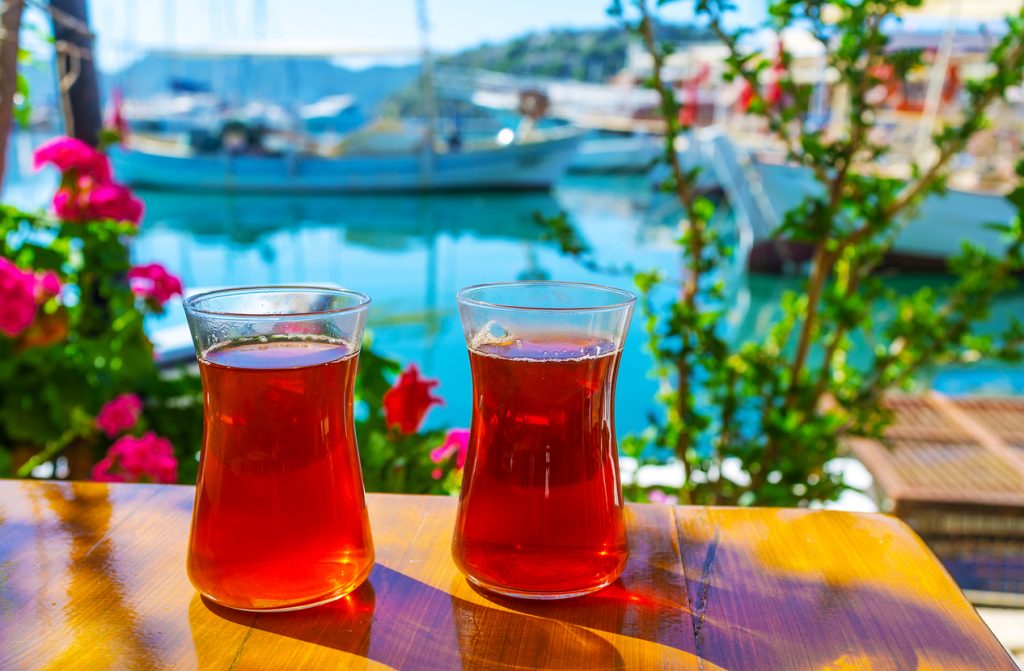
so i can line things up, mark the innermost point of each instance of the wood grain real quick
(92, 577)
(796, 589)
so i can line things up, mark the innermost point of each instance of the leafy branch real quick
(772, 412)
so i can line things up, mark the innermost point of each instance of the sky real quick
(127, 28)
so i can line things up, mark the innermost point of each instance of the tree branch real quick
(686, 193)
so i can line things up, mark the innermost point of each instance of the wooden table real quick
(93, 577)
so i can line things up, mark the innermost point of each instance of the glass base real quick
(540, 596)
(283, 609)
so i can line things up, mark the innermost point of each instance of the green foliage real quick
(84, 351)
(758, 422)
(22, 105)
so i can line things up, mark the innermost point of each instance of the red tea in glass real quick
(280, 518)
(541, 511)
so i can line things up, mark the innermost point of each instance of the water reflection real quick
(387, 222)
(411, 253)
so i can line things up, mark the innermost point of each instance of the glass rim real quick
(191, 303)
(629, 299)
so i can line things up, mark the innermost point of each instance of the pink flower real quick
(17, 298)
(407, 402)
(112, 201)
(154, 283)
(299, 328)
(658, 496)
(120, 414)
(68, 205)
(87, 190)
(105, 471)
(148, 458)
(68, 154)
(455, 443)
(97, 201)
(47, 285)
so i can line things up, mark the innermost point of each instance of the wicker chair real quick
(953, 469)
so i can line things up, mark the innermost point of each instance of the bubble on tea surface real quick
(494, 334)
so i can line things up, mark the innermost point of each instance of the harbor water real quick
(411, 253)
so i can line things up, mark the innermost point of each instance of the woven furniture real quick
(953, 469)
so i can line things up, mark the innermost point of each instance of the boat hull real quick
(526, 166)
(617, 155)
(935, 233)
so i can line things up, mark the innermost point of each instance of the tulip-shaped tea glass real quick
(540, 515)
(280, 517)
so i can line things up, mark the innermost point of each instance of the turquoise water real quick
(412, 253)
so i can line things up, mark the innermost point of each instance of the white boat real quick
(760, 193)
(534, 162)
(934, 234)
(617, 155)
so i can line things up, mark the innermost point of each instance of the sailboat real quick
(531, 163)
(263, 149)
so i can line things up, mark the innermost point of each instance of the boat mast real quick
(429, 92)
(936, 83)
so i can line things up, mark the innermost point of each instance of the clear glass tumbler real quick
(280, 517)
(540, 515)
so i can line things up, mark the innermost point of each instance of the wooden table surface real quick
(93, 577)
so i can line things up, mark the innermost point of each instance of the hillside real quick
(286, 80)
(591, 55)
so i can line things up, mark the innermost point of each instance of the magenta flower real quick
(119, 414)
(112, 201)
(47, 285)
(154, 283)
(298, 328)
(148, 458)
(455, 443)
(68, 206)
(87, 191)
(69, 154)
(658, 496)
(97, 201)
(17, 298)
